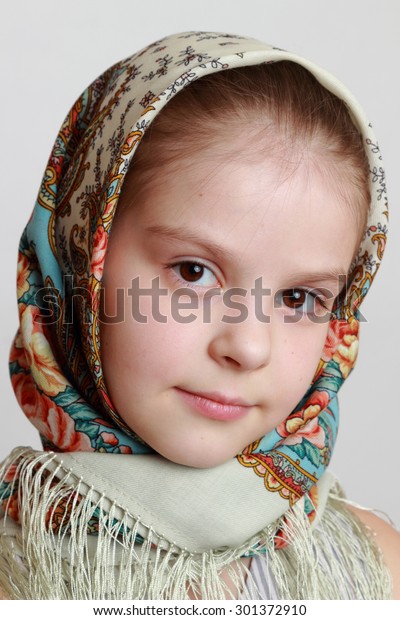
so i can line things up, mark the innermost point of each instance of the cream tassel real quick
(338, 560)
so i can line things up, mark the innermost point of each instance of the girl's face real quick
(254, 252)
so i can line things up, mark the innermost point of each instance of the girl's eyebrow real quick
(182, 234)
(332, 275)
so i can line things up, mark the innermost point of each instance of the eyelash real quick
(308, 292)
(173, 266)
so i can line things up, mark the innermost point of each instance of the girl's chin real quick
(202, 458)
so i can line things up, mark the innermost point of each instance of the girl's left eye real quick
(301, 300)
(195, 273)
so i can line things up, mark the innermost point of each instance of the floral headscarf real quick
(55, 363)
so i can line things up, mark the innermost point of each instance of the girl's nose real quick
(243, 346)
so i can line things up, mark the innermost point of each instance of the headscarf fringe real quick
(125, 559)
(339, 560)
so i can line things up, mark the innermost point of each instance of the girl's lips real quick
(215, 406)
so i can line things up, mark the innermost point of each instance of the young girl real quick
(188, 312)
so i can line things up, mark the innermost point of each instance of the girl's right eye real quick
(193, 272)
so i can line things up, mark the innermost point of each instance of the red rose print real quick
(342, 344)
(50, 420)
(304, 423)
(99, 251)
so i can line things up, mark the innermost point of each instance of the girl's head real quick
(237, 224)
(245, 201)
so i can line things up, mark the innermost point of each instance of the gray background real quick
(51, 50)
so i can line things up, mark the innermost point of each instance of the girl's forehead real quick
(238, 185)
(251, 210)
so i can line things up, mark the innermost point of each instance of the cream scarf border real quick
(188, 538)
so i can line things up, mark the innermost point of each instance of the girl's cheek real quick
(302, 345)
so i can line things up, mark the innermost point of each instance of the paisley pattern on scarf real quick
(55, 362)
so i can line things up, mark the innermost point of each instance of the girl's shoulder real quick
(387, 538)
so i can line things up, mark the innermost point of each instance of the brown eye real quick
(294, 298)
(191, 272)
